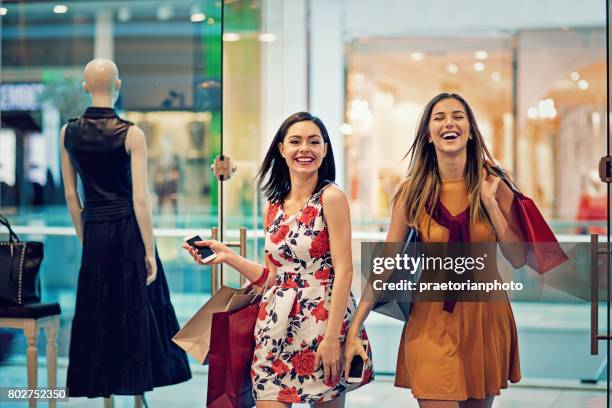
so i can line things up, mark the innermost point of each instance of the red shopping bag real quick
(543, 250)
(229, 360)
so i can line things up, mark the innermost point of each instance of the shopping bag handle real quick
(265, 289)
(500, 173)
(12, 236)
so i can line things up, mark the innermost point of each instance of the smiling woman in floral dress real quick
(308, 305)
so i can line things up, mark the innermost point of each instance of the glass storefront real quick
(538, 95)
(169, 60)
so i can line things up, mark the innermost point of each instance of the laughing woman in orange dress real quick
(462, 355)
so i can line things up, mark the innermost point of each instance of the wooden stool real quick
(31, 318)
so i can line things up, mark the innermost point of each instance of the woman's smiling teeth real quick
(304, 160)
(450, 135)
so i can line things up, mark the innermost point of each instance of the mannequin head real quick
(101, 81)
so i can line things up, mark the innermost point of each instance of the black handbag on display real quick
(19, 267)
(392, 304)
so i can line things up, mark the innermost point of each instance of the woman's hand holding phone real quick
(209, 252)
(354, 347)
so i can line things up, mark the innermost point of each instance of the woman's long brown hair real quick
(419, 193)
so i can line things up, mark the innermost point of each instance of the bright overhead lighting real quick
(3, 11)
(481, 55)
(198, 17)
(546, 109)
(575, 76)
(165, 12)
(479, 66)
(124, 14)
(452, 68)
(196, 14)
(346, 129)
(582, 84)
(496, 77)
(60, 9)
(532, 112)
(267, 37)
(231, 37)
(359, 110)
(417, 56)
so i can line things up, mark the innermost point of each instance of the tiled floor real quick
(381, 393)
(554, 342)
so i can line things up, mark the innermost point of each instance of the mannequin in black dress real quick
(124, 321)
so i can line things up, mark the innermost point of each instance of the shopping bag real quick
(393, 304)
(19, 269)
(543, 250)
(230, 357)
(194, 337)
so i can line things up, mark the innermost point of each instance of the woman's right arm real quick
(397, 233)
(249, 269)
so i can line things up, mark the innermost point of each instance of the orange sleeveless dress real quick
(470, 353)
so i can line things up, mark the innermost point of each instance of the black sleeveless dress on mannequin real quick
(122, 329)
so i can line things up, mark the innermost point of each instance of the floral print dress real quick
(293, 313)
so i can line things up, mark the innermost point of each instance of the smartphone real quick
(205, 252)
(357, 366)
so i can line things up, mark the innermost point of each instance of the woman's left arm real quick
(338, 218)
(497, 199)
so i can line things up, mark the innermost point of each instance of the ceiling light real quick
(124, 14)
(3, 11)
(359, 110)
(417, 56)
(210, 20)
(479, 66)
(231, 37)
(60, 9)
(267, 37)
(582, 84)
(575, 76)
(496, 77)
(196, 14)
(164, 12)
(546, 109)
(532, 112)
(481, 55)
(198, 17)
(346, 129)
(452, 68)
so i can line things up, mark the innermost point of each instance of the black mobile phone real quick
(356, 369)
(357, 366)
(205, 252)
